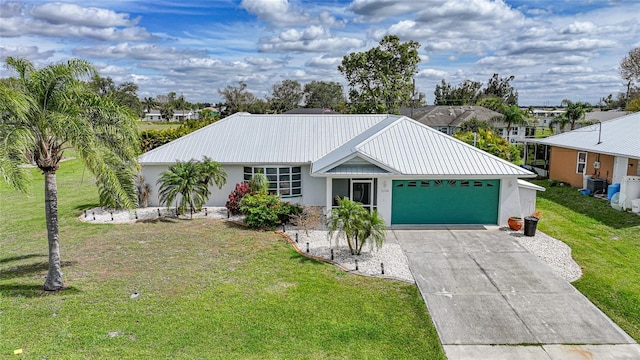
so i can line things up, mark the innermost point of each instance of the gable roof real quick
(243, 138)
(453, 116)
(403, 146)
(336, 145)
(618, 137)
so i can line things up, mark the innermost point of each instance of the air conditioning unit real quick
(596, 165)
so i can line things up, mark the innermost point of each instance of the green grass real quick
(207, 290)
(543, 132)
(605, 243)
(148, 125)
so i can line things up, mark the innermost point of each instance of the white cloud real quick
(432, 74)
(52, 20)
(579, 27)
(71, 14)
(570, 70)
(312, 39)
(137, 52)
(281, 13)
(324, 62)
(29, 52)
(10, 9)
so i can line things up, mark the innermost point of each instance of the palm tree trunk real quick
(54, 276)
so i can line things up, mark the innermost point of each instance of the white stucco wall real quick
(384, 199)
(313, 188)
(527, 201)
(509, 200)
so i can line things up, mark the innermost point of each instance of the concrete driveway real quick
(486, 293)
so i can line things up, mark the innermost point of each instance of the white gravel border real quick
(372, 260)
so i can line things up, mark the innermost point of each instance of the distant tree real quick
(53, 109)
(259, 106)
(188, 183)
(633, 105)
(124, 93)
(380, 79)
(323, 94)
(149, 103)
(492, 143)
(167, 111)
(630, 69)
(491, 103)
(237, 98)
(286, 95)
(512, 115)
(575, 111)
(467, 93)
(501, 88)
(473, 125)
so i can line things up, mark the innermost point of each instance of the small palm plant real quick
(187, 183)
(356, 223)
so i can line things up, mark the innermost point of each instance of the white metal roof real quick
(337, 145)
(244, 138)
(618, 137)
(406, 147)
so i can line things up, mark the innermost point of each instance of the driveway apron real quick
(482, 288)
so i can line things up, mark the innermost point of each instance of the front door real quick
(361, 191)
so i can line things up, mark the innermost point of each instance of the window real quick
(284, 181)
(581, 163)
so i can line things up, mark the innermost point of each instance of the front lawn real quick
(205, 289)
(606, 244)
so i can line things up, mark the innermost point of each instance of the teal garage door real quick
(445, 201)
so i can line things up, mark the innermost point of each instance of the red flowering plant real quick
(233, 204)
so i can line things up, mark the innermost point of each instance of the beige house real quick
(609, 150)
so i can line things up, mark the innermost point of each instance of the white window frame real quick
(583, 162)
(287, 183)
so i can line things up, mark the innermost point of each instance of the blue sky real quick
(555, 49)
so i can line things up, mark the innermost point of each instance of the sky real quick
(556, 49)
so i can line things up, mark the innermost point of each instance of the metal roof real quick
(244, 138)
(336, 144)
(406, 147)
(618, 137)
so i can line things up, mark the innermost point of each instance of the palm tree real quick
(149, 103)
(372, 228)
(575, 111)
(353, 221)
(49, 110)
(187, 183)
(512, 115)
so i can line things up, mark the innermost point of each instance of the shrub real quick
(233, 204)
(264, 211)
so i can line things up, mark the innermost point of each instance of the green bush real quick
(265, 211)
(151, 139)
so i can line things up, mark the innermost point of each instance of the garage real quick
(445, 202)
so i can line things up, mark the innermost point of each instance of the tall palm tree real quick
(512, 115)
(187, 183)
(45, 112)
(356, 223)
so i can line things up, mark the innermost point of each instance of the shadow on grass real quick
(597, 209)
(21, 257)
(303, 259)
(32, 291)
(157, 220)
(29, 269)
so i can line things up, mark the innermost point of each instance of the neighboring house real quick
(410, 173)
(178, 115)
(609, 150)
(447, 119)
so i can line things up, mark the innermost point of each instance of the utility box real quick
(597, 185)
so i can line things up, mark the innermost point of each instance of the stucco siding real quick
(633, 169)
(509, 204)
(562, 166)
